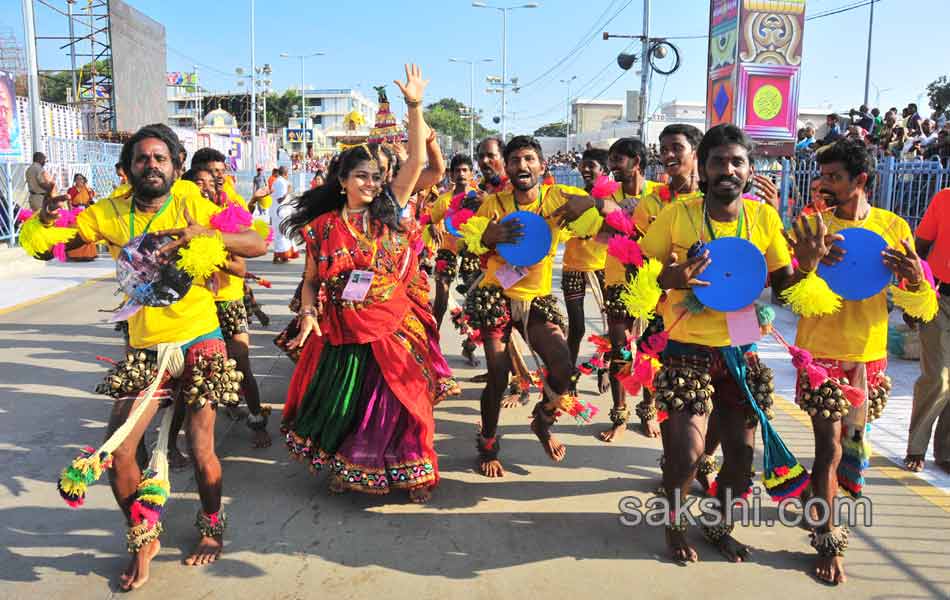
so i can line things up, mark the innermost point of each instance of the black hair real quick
(718, 136)
(192, 173)
(722, 135)
(632, 148)
(596, 155)
(497, 140)
(520, 142)
(38, 156)
(692, 134)
(459, 160)
(331, 196)
(156, 131)
(853, 154)
(206, 156)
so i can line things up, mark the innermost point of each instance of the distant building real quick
(588, 116)
(327, 110)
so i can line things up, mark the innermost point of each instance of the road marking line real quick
(27, 303)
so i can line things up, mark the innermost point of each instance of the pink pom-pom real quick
(59, 252)
(656, 344)
(801, 358)
(604, 187)
(620, 222)
(417, 245)
(270, 235)
(816, 374)
(67, 218)
(456, 202)
(24, 214)
(232, 219)
(585, 368)
(855, 396)
(625, 250)
(144, 514)
(425, 219)
(440, 265)
(598, 363)
(459, 217)
(928, 273)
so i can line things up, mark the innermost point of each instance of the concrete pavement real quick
(544, 530)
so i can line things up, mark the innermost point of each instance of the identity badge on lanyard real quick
(509, 275)
(357, 286)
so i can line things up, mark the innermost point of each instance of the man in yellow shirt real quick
(446, 263)
(521, 296)
(229, 297)
(583, 263)
(701, 349)
(851, 343)
(152, 161)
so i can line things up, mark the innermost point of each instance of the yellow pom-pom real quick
(642, 293)
(262, 228)
(266, 201)
(922, 304)
(588, 224)
(202, 256)
(811, 297)
(38, 239)
(472, 231)
(427, 239)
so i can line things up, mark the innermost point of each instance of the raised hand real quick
(182, 235)
(766, 190)
(813, 246)
(905, 265)
(681, 276)
(415, 85)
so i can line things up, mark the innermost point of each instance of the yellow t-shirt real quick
(437, 214)
(537, 282)
(615, 273)
(652, 203)
(232, 287)
(857, 332)
(677, 228)
(192, 316)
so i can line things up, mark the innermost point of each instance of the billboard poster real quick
(11, 142)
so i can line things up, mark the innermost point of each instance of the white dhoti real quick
(277, 213)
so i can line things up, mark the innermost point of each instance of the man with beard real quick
(152, 161)
(583, 265)
(446, 264)
(700, 347)
(627, 160)
(850, 342)
(521, 297)
(229, 296)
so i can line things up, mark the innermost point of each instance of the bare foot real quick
(650, 428)
(680, 550)
(603, 381)
(491, 468)
(420, 495)
(261, 439)
(552, 447)
(206, 552)
(732, 550)
(469, 356)
(830, 569)
(262, 317)
(914, 462)
(614, 433)
(176, 460)
(335, 486)
(136, 574)
(483, 378)
(511, 401)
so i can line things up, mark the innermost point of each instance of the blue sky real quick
(368, 41)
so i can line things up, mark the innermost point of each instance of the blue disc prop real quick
(861, 274)
(449, 227)
(736, 275)
(534, 244)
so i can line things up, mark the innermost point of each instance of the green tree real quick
(939, 93)
(558, 129)
(445, 116)
(55, 85)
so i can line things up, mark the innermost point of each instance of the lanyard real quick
(540, 201)
(149, 224)
(712, 234)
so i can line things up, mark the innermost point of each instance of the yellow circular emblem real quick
(767, 102)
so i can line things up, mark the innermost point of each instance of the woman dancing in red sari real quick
(364, 380)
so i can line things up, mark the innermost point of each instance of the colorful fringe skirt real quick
(351, 423)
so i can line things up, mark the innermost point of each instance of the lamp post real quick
(567, 119)
(303, 93)
(471, 100)
(504, 51)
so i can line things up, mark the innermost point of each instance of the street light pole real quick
(504, 55)
(471, 106)
(32, 77)
(303, 93)
(867, 70)
(253, 97)
(645, 69)
(567, 113)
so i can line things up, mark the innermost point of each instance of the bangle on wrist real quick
(308, 311)
(412, 102)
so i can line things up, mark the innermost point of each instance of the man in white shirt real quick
(280, 209)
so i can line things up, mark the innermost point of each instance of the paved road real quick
(544, 530)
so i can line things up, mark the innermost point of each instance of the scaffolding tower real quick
(11, 53)
(88, 43)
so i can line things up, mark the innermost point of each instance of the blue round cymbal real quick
(861, 274)
(449, 227)
(736, 275)
(533, 246)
